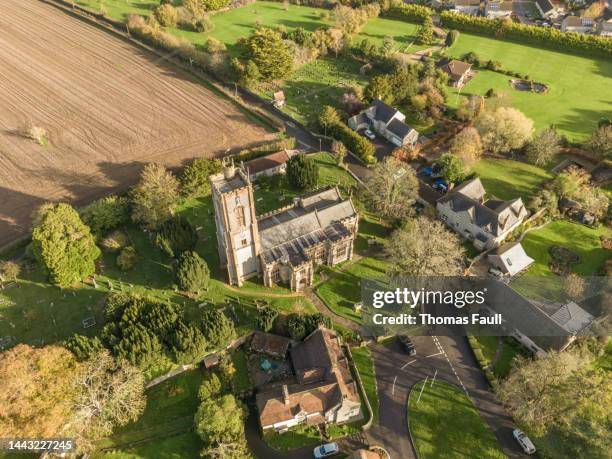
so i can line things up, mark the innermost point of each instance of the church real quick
(283, 246)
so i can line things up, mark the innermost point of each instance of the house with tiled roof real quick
(387, 122)
(577, 24)
(458, 72)
(322, 390)
(271, 164)
(498, 9)
(486, 222)
(283, 246)
(470, 7)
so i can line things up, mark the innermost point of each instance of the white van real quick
(524, 441)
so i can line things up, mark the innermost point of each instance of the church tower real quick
(236, 222)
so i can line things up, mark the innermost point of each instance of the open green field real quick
(446, 424)
(583, 240)
(579, 87)
(170, 408)
(403, 33)
(508, 179)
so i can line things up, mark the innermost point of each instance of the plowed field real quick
(108, 107)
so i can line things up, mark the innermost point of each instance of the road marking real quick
(393, 388)
(422, 387)
(439, 346)
(406, 364)
(433, 355)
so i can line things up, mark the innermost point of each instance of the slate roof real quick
(545, 5)
(514, 252)
(399, 128)
(493, 216)
(314, 219)
(384, 112)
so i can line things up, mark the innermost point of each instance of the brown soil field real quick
(108, 106)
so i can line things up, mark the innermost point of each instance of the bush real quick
(106, 214)
(192, 273)
(176, 236)
(214, 46)
(265, 318)
(188, 343)
(160, 318)
(83, 347)
(167, 15)
(115, 241)
(300, 326)
(354, 142)
(194, 180)
(127, 259)
(409, 13)
(116, 304)
(302, 172)
(213, 5)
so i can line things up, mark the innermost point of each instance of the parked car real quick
(407, 344)
(369, 134)
(495, 272)
(326, 450)
(524, 441)
(441, 185)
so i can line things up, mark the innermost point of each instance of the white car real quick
(524, 441)
(369, 134)
(326, 450)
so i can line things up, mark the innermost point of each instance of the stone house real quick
(458, 72)
(322, 390)
(387, 122)
(272, 164)
(577, 24)
(486, 222)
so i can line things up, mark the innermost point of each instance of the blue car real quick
(441, 185)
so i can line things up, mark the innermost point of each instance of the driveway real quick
(446, 358)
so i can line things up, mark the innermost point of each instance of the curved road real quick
(447, 358)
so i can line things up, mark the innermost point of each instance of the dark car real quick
(407, 345)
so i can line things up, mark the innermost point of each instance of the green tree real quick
(424, 247)
(192, 273)
(220, 424)
(467, 146)
(195, 179)
(265, 318)
(328, 117)
(380, 87)
(211, 387)
(452, 167)
(106, 214)
(176, 236)
(127, 259)
(249, 74)
(64, 245)
(296, 326)
(84, 347)
(302, 172)
(451, 38)
(544, 147)
(167, 15)
(218, 329)
(159, 317)
(188, 343)
(504, 129)
(138, 345)
(391, 188)
(271, 55)
(545, 199)
(213, 5)
(600, 142)
(425, 33)
(154, 197)
(9, 270)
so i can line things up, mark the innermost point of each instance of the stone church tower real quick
(236, 222)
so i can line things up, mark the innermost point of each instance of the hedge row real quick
(482, 362)
(410, 13)
(547, 36)
(353, 141)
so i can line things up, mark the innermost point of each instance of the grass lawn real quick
(488, 345)
(363, 361)
(180, 446)
(403, 33)
(511, 348)
(578, 86)
(316, 84)
(268, 199)
(118, 9)
(579, 238)
(294, 438)
(508, 179)
(241, 380)
(170, 408)
(343, 288)
(446, 424)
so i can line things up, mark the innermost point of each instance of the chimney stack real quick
(285, 394)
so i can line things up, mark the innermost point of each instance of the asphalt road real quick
(445, 358)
